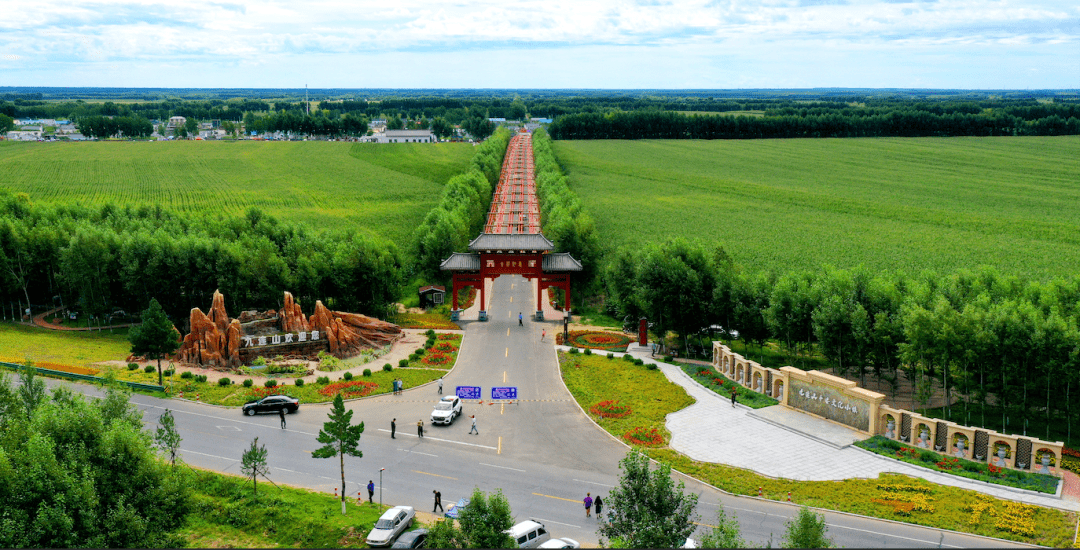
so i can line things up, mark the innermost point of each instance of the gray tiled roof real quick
(521, 241)
(560, 261)
(461, 262)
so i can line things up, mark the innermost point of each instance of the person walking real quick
(520, 320)
(440, 386)
(438, 502)
(370, 491)
(281, 413)
(599, 504)
(588, 505)
(543, 334)
(733, 397)
(474, 430)
(420, 428)
(393, 428)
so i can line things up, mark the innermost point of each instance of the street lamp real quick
(381, 470)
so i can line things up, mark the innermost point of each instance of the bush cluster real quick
(248, 382)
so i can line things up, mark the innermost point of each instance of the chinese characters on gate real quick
(828, 401)
(288, 338)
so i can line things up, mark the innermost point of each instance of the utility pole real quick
(380, 486)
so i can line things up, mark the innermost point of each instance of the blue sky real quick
(983, 44)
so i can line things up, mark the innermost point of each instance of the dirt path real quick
(40, 321)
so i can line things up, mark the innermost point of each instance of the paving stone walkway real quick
(783, 443)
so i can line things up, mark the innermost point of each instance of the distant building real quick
(431, 296)
(404, 136)
(177, 121)
(24, 136)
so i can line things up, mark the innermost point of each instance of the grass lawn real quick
(721, 385)
(227, 515)
(593, 378)
(19, 342)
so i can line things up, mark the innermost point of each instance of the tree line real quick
(843, 123)
(1005, 349)
(107, 258)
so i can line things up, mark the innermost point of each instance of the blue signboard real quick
(509, 392)
(468, 392)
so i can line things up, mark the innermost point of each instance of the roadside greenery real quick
(155, 337)
(340, 437)
(646, 509)
(481, 524)
(722, 385)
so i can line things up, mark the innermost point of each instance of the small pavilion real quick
(527, 254)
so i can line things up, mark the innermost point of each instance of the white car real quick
(560, 543)
(446, 410)
(529, 534)
(391, 524)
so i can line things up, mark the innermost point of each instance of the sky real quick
(968, 44)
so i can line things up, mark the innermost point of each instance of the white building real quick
(404, 136)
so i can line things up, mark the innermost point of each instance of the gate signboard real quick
(468, 392)
(509, 392)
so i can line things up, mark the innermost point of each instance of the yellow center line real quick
(507, 352)
(499, 452)
(511, 299)
(504, 377)
(704, 524)
(558, 498)
(508, 331)
(436, 475)
(502, 407)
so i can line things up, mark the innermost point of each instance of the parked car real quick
(560, 543)
(391, 525)
(272, 404)
(529, 534)
(416, 538)
(446, 410)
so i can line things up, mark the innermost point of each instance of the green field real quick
(82, 349)
(888, 204)
(382, 190)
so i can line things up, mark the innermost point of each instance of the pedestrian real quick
(393, 428)
(733, 397)
(543, 334)
(588, 505)
(599, 504)
(281, 413)
(420, 428)
(440, 386)
(400, 386)
(474, 430)
(393, 385)
(370, 491)
(520, 320)
(438, 502)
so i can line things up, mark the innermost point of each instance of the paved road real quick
(542, 452)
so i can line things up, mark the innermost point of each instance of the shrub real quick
(573, 351)
(367, 372)
(403, 363)
(419, 353)
(651, 366)
(248, 383)
(133, 366)
(627, 357)
(430, 333)
(259, 362)
(638, 361)
(347, 376)
(168, 372)
(299, 382)
(223, 381)
(388, 368)
(322, 380)
(611, 356)
(668, 359)
(186, 375)
(200, 378)
(927, 456)
(588, 351)
(271, 383)
(147, 369)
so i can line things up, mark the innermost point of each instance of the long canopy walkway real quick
(512, 242)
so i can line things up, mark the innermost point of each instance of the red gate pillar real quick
(539, 299)
(483, 303)
(643, 332)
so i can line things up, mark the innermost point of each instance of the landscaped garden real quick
(960, 467)
(723, 385)
(595, 339)
(630, 400)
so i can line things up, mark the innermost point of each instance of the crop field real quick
(903, 204)
(382, 192)
(19, 342)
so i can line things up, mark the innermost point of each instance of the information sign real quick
(509, 392)
(468, 392)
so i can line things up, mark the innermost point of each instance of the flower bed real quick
(646, 437)
(444, 347)
(593, 339)
(436, 359)
(66, 368)
(959, 467)
(722, 385)
(425, 321)
(349, 390)
(610, 409)
(441, 355)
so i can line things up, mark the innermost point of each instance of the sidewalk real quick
(774, 442)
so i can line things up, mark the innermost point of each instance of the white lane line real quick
(418, 453)
(593, 483)
(185, 451)
(890, 535)
(503, 467)
(559, 523)
(304, 473)
(229, 419)
(443, 440)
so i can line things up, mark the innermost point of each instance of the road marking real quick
(593, 483)
(502, 408)
(228, 428)
(557, 498)
(546, 521)
(499, 452)
(436, 475)
(405, 434)
(508, 331)
(418, 453)
(504, 377)
(703, 525)
(507, 352)
(503, 467)
(891, 535)
(204, 454)
(229, 419)
(511, 299)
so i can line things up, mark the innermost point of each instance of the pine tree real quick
(339, 438)
(155, 337)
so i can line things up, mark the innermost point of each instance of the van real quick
(529, 534)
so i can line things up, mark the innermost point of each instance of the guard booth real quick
(527, 254)
(432, 296)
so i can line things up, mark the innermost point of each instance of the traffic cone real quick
(335, 493)
(759, 491)
(789, 496)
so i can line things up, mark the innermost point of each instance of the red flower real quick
(641, 436)
(610, 409)
(349, 390)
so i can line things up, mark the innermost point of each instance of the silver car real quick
(391, 524)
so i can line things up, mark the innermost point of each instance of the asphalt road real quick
(540, 451)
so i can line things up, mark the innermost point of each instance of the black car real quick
(413, 539)
(272, 404)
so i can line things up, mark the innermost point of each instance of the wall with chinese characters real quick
(830, 403)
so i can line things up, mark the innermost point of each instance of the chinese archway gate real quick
(511, 242)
